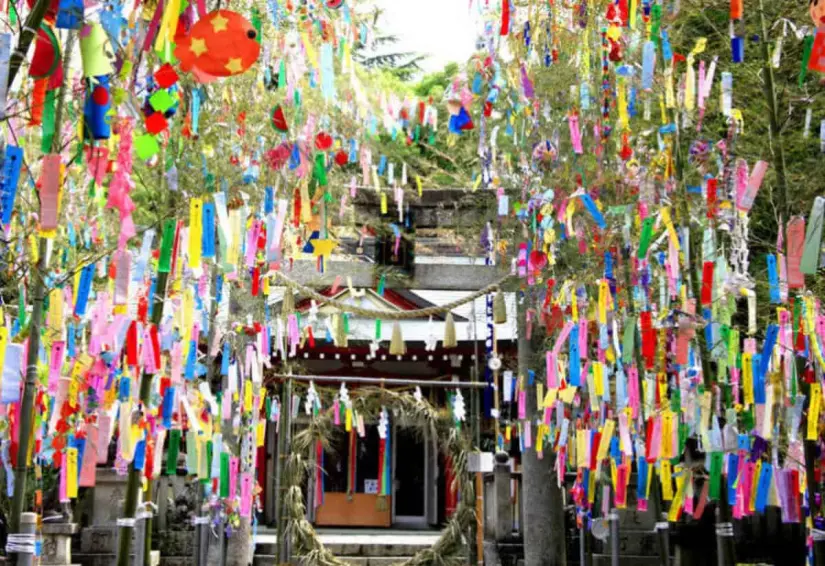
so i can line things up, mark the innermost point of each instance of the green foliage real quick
(434, 84)
(804, 166)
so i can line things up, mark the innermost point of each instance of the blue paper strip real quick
(12, 163)
(208, 234)
(773, 280)
(84, 288)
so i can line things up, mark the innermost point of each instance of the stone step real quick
(387, 544)
(270, 560)
(626, 560)
(108, 559)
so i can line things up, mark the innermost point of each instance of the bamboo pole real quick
(27, 35)
(776, 146)
(284, 448)
(38, 291)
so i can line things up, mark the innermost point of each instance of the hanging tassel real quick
(499, 308)
(449, 332)
(340, 331)
(397, 347)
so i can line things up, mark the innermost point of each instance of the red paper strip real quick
(505, 17)
(711, 196)
(707, 284)
(256, 280)
(132, 345)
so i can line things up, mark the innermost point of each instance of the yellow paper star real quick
(234, 66)
(197, 46)
(323, 248)
(219, 23)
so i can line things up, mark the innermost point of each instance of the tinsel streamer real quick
(382, 457)
(488, 347)
(319, 474)
(351, 461)
(386, 470)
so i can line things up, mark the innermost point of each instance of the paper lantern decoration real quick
(46, 59)
(335, 4)
(95, 51)
(222, 44)
(98, 103)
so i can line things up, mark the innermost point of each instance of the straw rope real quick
(449, 549)
(384, 314)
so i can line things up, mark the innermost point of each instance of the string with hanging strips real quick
(396, 315)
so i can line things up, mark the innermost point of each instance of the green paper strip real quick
(48, 122)
(715, 475)
(205, 477)
(21, 306)
(378, 329)
(224, 475)
(646, 237)
(165, 262)
(172, 452)
(628, 341)
(807, 48)
(813, 238)
(320, 172)
(733, 347)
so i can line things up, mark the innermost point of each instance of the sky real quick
(443, 29)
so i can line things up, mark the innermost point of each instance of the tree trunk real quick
(238, 552)
(544, 532)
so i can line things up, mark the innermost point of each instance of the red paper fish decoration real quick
(816, 8)
(335, 4)
(222, 44)
(46, 58)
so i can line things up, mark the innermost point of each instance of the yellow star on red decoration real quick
(197, 46)
(219, 23)
(234, 66)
